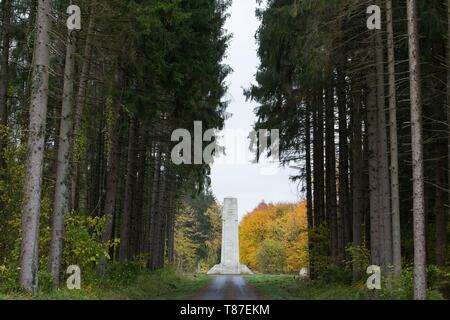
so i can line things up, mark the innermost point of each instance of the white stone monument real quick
(229, 262)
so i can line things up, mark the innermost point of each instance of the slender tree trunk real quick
(111, 184)
(138, 220)
(124, 251)
(157, 225)
(383, 175)
(309, 195)
(374, 197)
(35, 156)
(79, 106)
(395, 198)
(344, 232)
(366, 180)
(442, 226)
(61, 197)
(4, 76)
(154, 214)
(162, 228)
(420, 275)
(358, 209)
(148, 209)
(441, 221)
(170, 244)
(28, 62)
(331, 174)
(319, 202)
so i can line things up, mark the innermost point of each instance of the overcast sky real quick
(233, 175)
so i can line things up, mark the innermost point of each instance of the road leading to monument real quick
(228, 287)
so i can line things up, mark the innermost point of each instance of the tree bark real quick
(309, 195)
(442, 226)
(111, 184)
(318, 145)
(137, 221)
(395, 198)
(61, 197)
(357, 185)
(79, 106)
(344, 203)
(374, 197)
(170, 244)
(154, 214)
(331, 202)
(35, 156)
(420, 275)
(163, 215)
(4, 75)
(440, 210)
(383, 174)
(124, 250)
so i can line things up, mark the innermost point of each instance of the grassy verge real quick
(159, 285)
(285, 287)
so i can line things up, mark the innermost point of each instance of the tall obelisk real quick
(229, 263)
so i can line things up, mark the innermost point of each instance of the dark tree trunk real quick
(4, 77)
(111, 183)
(383, 174)
(79, 107)
(309, 196)
(137, 221)
(148, 209)
(344, 201)
(318, 145)
(441, 216)
(162, 210)
(124, 250)
(170, 243)
(357, 186)
(331, 202)
(374, 197)
(155, 216)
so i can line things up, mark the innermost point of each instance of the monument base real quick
(224, 269)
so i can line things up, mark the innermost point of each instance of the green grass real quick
(159, 285)
(285, 287)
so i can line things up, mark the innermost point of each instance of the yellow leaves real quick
(284, 223)
(3, 269)
(81, 241)
(113, 243)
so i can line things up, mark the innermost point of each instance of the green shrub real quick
(359, 257)
(402, 288)
(81, 244)
(271, 257)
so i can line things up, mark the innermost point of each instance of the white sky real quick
(247, 182)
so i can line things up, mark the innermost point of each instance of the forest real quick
(359, 89)
(365, 113)
(86, 116)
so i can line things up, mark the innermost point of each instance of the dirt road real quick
(227, 287)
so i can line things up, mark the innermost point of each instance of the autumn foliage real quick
(274, 239)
